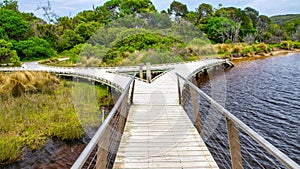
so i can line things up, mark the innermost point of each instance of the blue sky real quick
(72, 7)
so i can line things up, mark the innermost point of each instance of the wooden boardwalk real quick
(158, 132)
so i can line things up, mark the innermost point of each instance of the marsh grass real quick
(37, 106)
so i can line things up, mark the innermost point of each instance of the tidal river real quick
(265, 95)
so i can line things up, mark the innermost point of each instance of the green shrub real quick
(237, 49)
(73, 53)
(138, 42)
(7, 54)
(296, 45)
(262, 47)
(33, 49)
(286, 45)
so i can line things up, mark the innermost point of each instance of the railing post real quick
(179, 93)
(148, 72)
(132, 92)
(141, 70)
(234, 144)
(102, 152)
(194, 96)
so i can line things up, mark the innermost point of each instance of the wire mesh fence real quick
(101, 151)
(232, 143)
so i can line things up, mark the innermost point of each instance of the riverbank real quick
(280, 52)
(261, 50)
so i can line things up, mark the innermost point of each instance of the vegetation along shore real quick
(25, 37)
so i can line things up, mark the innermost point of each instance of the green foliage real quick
(286, 45)
(154, 56)
(178, 9)
(34, 48)
(15, 60)
(6, 52)
(14, 26)
(119, 19)
(139, 42)
(69, 39)
(86, 30)
(73, 53)
(128, 7)
(218, 29)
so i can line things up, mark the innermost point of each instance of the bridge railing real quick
(101, 150)
(233, 141)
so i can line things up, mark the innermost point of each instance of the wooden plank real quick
(158, 132)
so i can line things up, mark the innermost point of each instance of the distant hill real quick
(281, 19)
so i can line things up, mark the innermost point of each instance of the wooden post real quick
(194, 96)
(234, 144)
(179, 93)
(102, 153)
(148, 73)
(102, 114)
(141, 70)
(132, 92)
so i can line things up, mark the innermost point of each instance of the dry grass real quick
(17, 83)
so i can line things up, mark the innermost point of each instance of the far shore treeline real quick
(25, 37)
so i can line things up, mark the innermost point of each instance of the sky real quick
(72, 7)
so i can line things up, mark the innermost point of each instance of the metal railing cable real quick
(101, 150)
(237, 132)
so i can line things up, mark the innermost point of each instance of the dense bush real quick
(12, 25)
(34, 48)
(6, 52)
(136, 43)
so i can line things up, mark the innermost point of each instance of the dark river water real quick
(265, 95)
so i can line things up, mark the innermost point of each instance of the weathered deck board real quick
(158, 132)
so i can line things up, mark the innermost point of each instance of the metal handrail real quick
(284, 159)
(100, 132)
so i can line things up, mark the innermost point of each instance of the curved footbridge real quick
(158, 132)
(154, 130)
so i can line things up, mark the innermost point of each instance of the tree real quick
(277, 33)
(243, 22)
(86, 30)
(14, 26)
(128, 7)
(291, 28)
(203, 12)
(49, 14)
(178, 9)
(64, 23)
(10, 4)
(252, 13)
(262, 27)
(114, 9)
(69, 39)
(219, 29)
